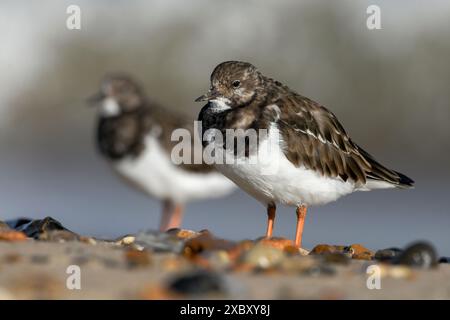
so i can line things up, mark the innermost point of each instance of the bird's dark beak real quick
(208, 96)
(95, 98)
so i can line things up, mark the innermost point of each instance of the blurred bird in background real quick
(134, 135)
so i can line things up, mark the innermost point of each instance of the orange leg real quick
(301, 215)
(172, 216)
(271, 209)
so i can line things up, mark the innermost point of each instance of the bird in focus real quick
(134, 136)
(313, 160)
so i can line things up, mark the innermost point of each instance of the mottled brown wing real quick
(315, 138)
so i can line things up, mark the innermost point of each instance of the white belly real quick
(270, 177)
(154, 173)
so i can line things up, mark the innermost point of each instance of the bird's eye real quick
(236, 83)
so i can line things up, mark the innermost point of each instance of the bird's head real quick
(118, 94)
(233, 83)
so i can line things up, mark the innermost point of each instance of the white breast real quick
(270, 177)
(153, 172)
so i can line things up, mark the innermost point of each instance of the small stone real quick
(418, 255)
(355, 251)
(184, 233)
(327, 249)
(12, 236)
(444, 260)
(360, 252)
(199, 282)
(277, 243)
(218, 259)
(205, 242)
(137, 258)
(38, 229)
(263, 257)
(126, 240)
(386, 255)
(159, 241)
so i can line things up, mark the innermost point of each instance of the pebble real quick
(359, 252)
(184, 233)
(126, 240)
(418, 255)
(159, 241)
(204, 243)
(354, 251)
(41, 228)
(12, 236)
(198, 282)
(388, 254)
(218, 259)
(262, 256)
(444, 260)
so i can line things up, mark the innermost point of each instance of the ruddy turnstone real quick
(134, 134)
(317, 161)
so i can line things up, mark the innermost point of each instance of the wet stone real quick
(418, 255)
(39, 229)
(199, 282)
(387, 255)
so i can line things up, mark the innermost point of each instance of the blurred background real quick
(389, 87)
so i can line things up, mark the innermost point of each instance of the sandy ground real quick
(31, 269)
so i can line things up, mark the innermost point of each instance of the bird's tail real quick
(380, 175)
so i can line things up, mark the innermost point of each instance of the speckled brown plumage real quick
(313, 136)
